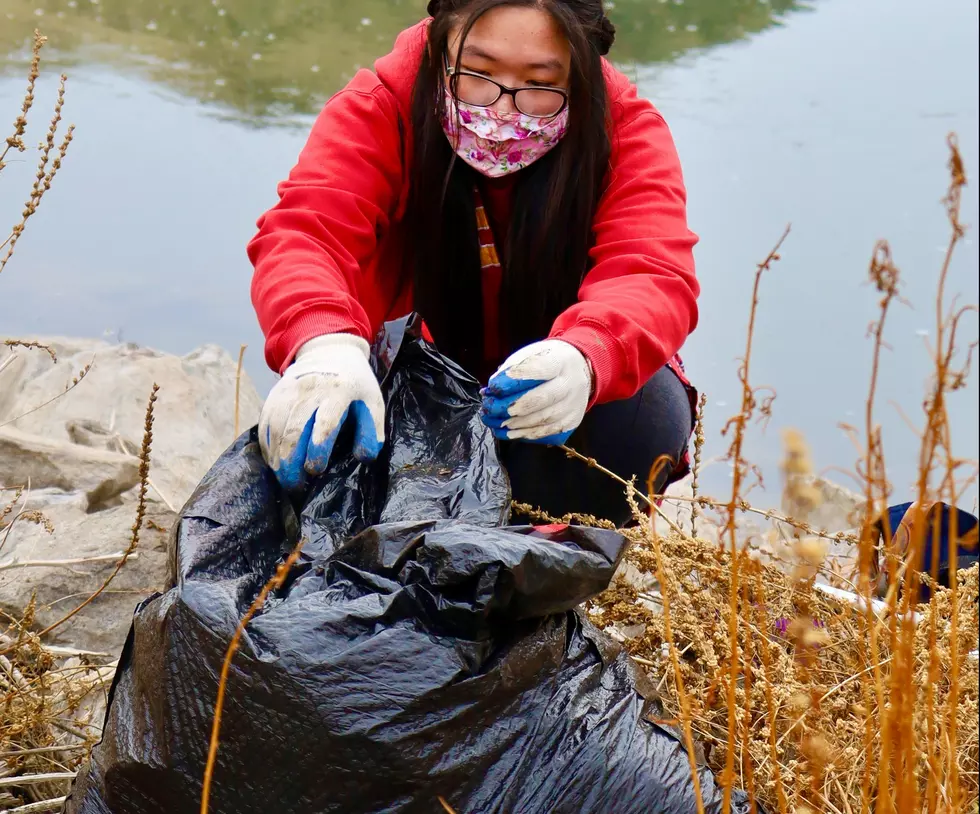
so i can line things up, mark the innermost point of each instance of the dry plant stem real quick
(766, 660)
(932, 747)
(282, 571)
(527, 510)
(748, 772)
(5, 513)
(935, 442)
(45, 173)
(944, 361)
(685, 703)
(29, 516)
(7, 566)
(7, 362)
(18, 343)
(16, 141)
(445, 806)
(43, 750)
(696, 468)
(238, 386)
(40, 807)
(144, 470)
(74, 383)
(836, 730)
(885, 276)
(739, 423)
(629, 487)
(768, 514)
(35, 779)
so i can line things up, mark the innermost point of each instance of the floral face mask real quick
(496, 144)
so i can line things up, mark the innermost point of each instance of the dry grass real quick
(48, 716)
(49, 697)
(51, 155)
(43, 698)
(809, 702)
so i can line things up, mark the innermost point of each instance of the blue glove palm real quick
(540, 394)
(330, 383)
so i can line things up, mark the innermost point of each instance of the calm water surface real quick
(830, 115)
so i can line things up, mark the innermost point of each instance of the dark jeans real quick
(627, 437)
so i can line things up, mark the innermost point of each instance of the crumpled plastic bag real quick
(419, 649)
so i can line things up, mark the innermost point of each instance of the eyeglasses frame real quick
(452, 72)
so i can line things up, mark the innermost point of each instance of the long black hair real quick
(546, 253)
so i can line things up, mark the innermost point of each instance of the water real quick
(831, 115)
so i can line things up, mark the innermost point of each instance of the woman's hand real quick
(329, 381)
(539, 394)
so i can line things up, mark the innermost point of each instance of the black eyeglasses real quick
(481, 91)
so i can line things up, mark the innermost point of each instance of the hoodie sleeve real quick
(311, 246)
(638, 302)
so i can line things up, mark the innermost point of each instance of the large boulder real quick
(98, 474)
(78, 535)
(75, 454)
(195, 411)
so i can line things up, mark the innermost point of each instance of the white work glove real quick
(329, 380)
(539, 394)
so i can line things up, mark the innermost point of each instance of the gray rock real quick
(43, 463)
(88, 433)
(78, 535)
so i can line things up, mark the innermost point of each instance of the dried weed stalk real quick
(43, 696)
(51, 152)
(77, 379)
(696, 466)
(46, 723)
(144, 474)
(238, 387)
(19, 343)
(741, 470)
(274, 583)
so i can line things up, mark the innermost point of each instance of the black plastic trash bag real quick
(421, 649)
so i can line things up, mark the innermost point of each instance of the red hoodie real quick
(327, 256)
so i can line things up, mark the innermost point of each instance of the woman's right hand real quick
(329, 381)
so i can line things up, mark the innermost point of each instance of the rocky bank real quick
(75, 460)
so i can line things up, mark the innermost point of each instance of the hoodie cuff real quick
(601, 350)
(309, 325)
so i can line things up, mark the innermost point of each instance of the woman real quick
(497, 175)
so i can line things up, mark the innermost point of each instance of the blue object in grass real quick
(937, 535)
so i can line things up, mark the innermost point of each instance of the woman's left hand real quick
(539, 394)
